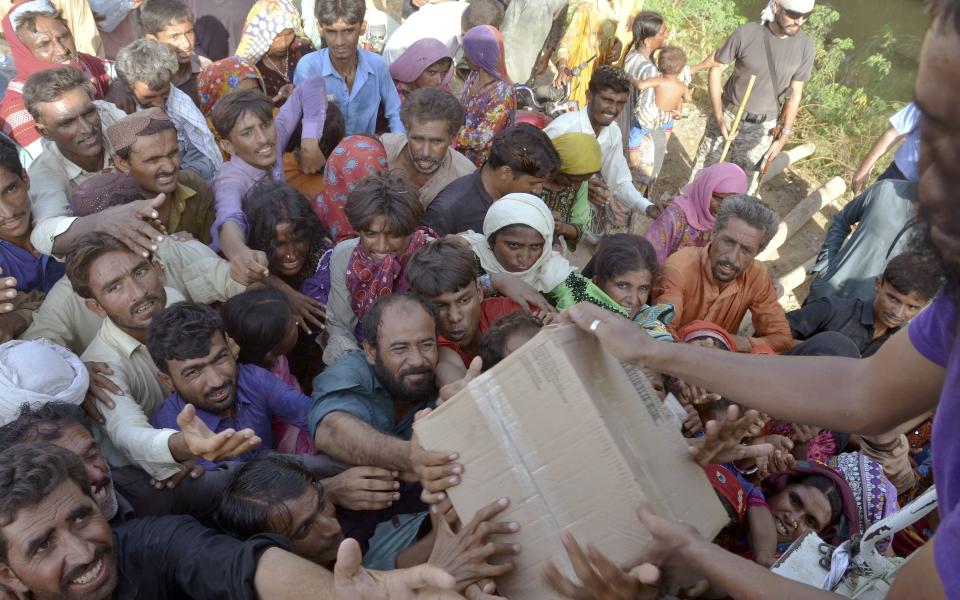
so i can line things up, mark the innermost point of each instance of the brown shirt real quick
(192, 207)
(687, 283)
(453, 166)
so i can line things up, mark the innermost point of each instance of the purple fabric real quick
(317, 286)
(260, 398)
(415, 60)
(694, 199)
(483, 45)
(934, 335)
(307, 104)
(38, 272)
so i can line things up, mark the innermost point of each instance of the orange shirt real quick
(687, 283)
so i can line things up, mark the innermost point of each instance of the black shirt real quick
(850, 316)
(177, 557)
(459, 207)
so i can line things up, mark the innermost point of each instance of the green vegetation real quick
(842, 111)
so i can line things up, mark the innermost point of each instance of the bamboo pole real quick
(736, 121)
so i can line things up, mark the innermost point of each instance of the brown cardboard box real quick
(574, 438)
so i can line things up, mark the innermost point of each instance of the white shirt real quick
(614, 166)
(439, 21)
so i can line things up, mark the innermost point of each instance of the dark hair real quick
(257, 320)
(825, 485)
(432, 104)
(620, 253)
(231, 107)
(526, 150)
(28, 20)
(84, 252)
(646, 24)
(387, 195)
(946, 10)
(155, 15)
(182, 331)
(50, 85)
(493, 344)
(41, 423)
(482, 12)
(671, 60)
(610, 78)
(10, 157)
(443, 266)
(29, 473)
(269, 204)
(154, 127)
(334, 129)
(374, 316)
(258, 491)
(913, 272)
(329, 12)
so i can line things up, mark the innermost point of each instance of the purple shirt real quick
(260, 398)
(308, 103)
(32, 272)
(934, 335)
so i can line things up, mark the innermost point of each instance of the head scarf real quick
(37, 372)
(700, 329)
(551, 269)
(265, 21)
(353, 160)
(876, 496)
(483, 45)
(417, 58)
(99, 191)
(123, 133)
(694, 199)
(579, 153)
(27, 64)
(800, 6)
(222, 77)
(729, 487)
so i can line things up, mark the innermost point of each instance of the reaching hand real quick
(351, 581)
(99, 390)
(248, 266)
(363, 488)
(600, 578)
(133, 224)
(8, 291)
(668, 551)
(466, 554)
(282, 94)
(564, 75)
(520, 292)
(312, 160)
(436, 471)
(211, 446)
(309, 313)
(452, 389)
(189, 467)
(598, 192)
(721, 442)
(618, 335)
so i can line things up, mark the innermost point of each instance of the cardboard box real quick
(574, 438)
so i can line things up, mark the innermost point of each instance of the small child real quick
(670, 95)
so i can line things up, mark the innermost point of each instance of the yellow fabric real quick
(579, 153)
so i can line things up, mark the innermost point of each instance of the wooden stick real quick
(736, 121)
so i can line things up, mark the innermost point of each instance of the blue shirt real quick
(33, 272)
(350, 385)
(260, 398)
(907, 122)
(371, 86)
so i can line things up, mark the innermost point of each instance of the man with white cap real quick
(780, 55)
(62, 378)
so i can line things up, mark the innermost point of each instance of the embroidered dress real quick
(485, 114)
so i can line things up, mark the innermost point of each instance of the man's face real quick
(61, 549)
(895, 309)
(939, 164)
(341, 38)
(253, 140)
(72, 122)
(406, 354)
(179, 36)
(798, 509)
(14, 207)
(311, 526)
(733, 248)
(292, 248)
(127, 289)
(605, 106)
(459, 314)
(78, 440)
(208, 382)
(427, 144)
(790, 21)
(52, 43)
(154, 162)
(512, 182)
(379, 241)
(148, 97)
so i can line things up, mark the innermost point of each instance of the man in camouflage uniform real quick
(781, 56)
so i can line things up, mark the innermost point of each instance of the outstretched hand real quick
(352, 581)
(619, 336)
(721, 442)
(210, 446)
(600, 578)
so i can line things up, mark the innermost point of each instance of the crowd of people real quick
(246, 244)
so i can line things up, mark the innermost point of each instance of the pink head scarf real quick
(483, 45)
(694, 200)
(417, 58)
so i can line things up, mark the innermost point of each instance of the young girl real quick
(262, 323)
(516, 238)
(624, 267)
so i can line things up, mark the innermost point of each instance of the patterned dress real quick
(486, 113)
(573, 206)
(670, 232)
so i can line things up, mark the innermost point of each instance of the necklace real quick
(273, 66)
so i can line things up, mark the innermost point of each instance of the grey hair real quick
(752, 211)
(152, 62)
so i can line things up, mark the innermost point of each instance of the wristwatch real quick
(787, 132)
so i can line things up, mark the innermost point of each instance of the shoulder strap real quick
(771, 65)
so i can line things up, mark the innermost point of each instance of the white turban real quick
(800, 6)
(37, 372)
